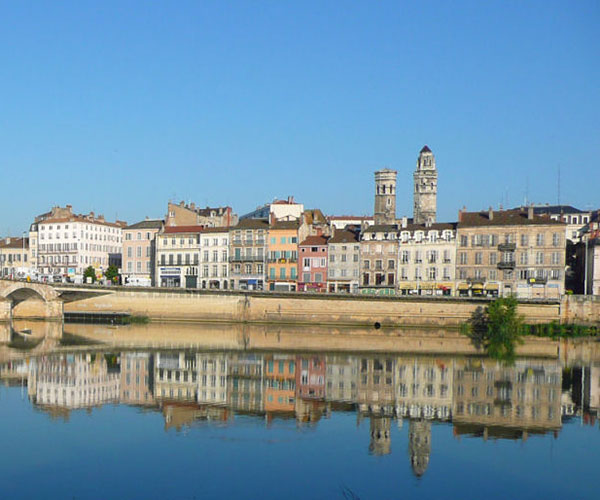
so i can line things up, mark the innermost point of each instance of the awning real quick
(463, 286)
(491, 286)
(445, 285)
(427, 286)
(407, 286)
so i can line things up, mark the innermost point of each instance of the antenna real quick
(558, 187)
(527, 191)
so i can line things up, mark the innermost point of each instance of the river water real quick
(87, 418)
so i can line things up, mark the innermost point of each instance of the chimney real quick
(182, 203)
(461, 213)
(290, 199)
(193, 205)
(490, 213)
(530, 212)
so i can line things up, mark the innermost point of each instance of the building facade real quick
(282, 256)
(312, 264)
(139, 253)
(178, 256)
(64, 244)
(510, 252)
(344, 262)
(425, 192)
(15, 260)
(214, 258)
(379, 256)
(248, 254)
(426, 259)
(385, 197)
(184, 214)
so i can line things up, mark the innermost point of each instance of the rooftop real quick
(147, 224)
(343, 237)
(513, 217)
(314, 241)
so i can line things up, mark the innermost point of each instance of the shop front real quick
(170, 277)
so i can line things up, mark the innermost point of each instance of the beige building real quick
(379, 259)
(137, 378)
(178, 256)
(510, 252)
(212, 378)
(426, 259)
(175, 376)
(344, 262)
(63, 244)
(183, 214)
(15, 259)
(139, 253)
(248, 254)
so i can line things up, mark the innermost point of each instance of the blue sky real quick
(118, 107)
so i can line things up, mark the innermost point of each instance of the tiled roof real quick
(146, 224)
(343, 237)
(184, 229)
(251, 224)
(556, 210)
(82, 218)
(514, 217)
(14, 243)
(221, 229)
(314, 241)
(382, 228)
(285, 225)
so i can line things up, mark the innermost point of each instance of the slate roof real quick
(515, 217)
(146, 224)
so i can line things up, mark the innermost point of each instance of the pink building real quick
(310, 377)
(312, 264)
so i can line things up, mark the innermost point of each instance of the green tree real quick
(90, 272)
(112, 273)
(498, 328)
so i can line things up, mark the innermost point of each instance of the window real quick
(555, 239)
(478, 258)
(539, 257)
(493, 258)
(462, 257)
(365, 264)
(539, 240)
(524, 240)
(524, 258)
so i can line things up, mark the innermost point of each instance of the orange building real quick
(282, 265)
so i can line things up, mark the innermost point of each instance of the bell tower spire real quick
(425, 194)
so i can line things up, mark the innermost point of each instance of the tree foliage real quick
(112, 273)
(90, 272)
(498, 328)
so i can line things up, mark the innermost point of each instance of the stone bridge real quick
(40, 301)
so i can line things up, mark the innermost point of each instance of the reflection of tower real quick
(381, 441)
(385, 196)
(425, 196)
(419, 445)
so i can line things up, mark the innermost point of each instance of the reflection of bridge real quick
(48, 300)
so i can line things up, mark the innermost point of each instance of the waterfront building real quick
(282, 261)
(426, 258)
(425, 188)
(385, 197)
(184, 214)
(175, 376)
(343, 269)
(313, 223)
(137, 378)
(343, 221)
(64, 244)
(15, 259)
(212, 378)
(510, 252)
(282, 210)
(497, 400)
(247, 254)
(379, 259)
(574, 218)
(214, 258)
(139, 253)
(312, 264)
(245, 383)
(178, 256)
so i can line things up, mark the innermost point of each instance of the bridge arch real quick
(13, 293)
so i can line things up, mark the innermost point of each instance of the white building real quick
(64, 244)
(214, 258)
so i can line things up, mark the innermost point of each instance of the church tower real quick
(419, 445)
(385, 196)
(425, 197)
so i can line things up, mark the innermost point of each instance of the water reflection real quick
(478, 396)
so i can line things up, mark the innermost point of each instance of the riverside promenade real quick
(184, 305)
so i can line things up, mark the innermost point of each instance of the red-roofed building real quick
(312, 264)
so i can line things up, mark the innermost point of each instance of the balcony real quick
(291, 260)
(246, 258)
(508, 264)
(507, 247)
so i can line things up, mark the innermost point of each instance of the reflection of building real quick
(379, 431)
(419, 445)
(175, 375)
(245, 391)
(376, 389)
(280, 383)
(502, 401)
(310, 377)
(74, 380)
(137, 378)
(424, 387)
(342, 374)
(212, 378)
(178, 414)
